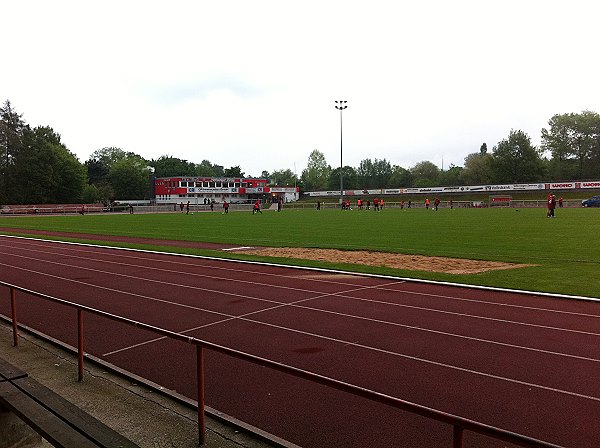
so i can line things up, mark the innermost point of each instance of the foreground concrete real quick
(145, 417)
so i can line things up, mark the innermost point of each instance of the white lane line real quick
(167, 258)
(318, 310)
(355, 344)
(231, 317)
(363, 275)
(455, 298)
(433, 310)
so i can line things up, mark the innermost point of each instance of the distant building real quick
(199, 190)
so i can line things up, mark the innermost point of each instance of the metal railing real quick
(459, 424)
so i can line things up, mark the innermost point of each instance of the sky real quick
(254, 83)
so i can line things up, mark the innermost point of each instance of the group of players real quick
(379, 204)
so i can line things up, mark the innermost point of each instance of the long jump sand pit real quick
(387, 259)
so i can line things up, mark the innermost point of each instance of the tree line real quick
(37, 168)
(570, 150)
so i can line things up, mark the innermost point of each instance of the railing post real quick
(80, 344)
(200, 377)
(13, 307)
(458, 437)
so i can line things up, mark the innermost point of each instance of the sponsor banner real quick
(468, 188)
(284, 189)
(560, 186)
(528, 186)
(591, 184)
(254, 190)
(323, 193)
(430, 190)
(498, 187)
(211, 190)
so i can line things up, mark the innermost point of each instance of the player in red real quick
(256, 208)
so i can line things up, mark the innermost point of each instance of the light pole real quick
(341, 105)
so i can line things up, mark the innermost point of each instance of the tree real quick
(49, 172)
(282, 178)
(515, 159)
(12, 127)
(425, 174)
(316, 173)
(108, 156)
(574, 143)
(452, 176)
(100, 163)
(374, 174)
(234, 171)
(168, 166)
(350, 179)
(205, 169)
(477, 169)
(97, 172)
(130, 178)
(400, 177)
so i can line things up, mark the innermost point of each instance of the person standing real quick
(560, 202)
(381, 204)
(318, 205)
(187, 208)
(427, 203)
(436, 203)
(376, 204)
(552, 206)
(225, 207)
(181, 206)
(256, 208)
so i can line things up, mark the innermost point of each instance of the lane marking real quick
(433, 310)
(399, 282)
(350, 343)
(317, 269)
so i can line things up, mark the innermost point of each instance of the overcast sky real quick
(253, 83)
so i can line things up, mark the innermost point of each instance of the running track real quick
(528, 364)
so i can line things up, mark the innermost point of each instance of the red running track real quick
(525, 363)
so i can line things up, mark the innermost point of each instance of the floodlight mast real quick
(341, 105)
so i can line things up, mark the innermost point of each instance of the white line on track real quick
(433, 310)
(328, 281)
(357, 345)
(229, 317)
(244, 317)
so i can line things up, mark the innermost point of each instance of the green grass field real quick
(565, 251)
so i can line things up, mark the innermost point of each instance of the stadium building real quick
(202, 190)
